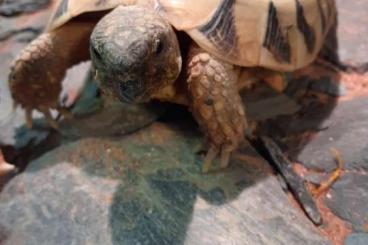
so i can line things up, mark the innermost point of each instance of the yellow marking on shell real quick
(250, 19)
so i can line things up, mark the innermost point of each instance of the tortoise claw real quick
(65, 113)
(49, 118)
(5, 167)
(46, 112)
(28, 112)
(225, 157)
(210, 156)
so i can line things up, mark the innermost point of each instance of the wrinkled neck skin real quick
(136, 54)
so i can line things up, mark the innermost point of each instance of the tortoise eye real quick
(158, 46)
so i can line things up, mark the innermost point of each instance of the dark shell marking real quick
(275, 40)
(220, 30)
(305, 28)
(325, 16)
(322, 14)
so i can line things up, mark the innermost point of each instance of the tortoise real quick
(176, 51)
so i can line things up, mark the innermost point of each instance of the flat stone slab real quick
(346, 129)
(351, 32)
(147, 188)
(357, 239)
(349, 198)
(15, 7)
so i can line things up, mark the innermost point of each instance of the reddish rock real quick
(352, 31)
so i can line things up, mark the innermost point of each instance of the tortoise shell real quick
(278, 34)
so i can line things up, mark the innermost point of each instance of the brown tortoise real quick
(140, 53)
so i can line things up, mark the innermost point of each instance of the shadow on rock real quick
(155, 202)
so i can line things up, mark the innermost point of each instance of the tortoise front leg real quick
(36, 75)
(216, 105)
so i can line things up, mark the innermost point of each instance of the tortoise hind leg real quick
(35, 78)
(216, 104)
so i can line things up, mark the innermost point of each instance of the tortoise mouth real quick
(130, 90)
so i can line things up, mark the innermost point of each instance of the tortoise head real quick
(136, 53)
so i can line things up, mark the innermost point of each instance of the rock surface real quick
(349, 198)
(352, 32)
(15, 7)
(347, 131)
(357, 239)
(147, 188)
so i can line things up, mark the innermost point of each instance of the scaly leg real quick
(36, 75)
(216, 104)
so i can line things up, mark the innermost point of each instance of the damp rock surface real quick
(349, 198)
(16, 7)
(147, 188)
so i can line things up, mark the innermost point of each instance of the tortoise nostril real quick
(158, 47)
(127, 85)
(129, 90)
(96, 53)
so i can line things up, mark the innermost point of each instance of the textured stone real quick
(349, 198)
(347, 131)
(15, 7)
(352, 29)
(147, 188)
(357, 239)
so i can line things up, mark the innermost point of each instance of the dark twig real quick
(270, 150)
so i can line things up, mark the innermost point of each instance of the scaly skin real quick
(216, 104)
(36, 75)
